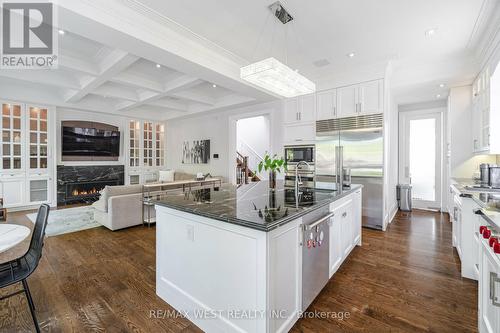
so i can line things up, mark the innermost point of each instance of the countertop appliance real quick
(494, 176)
(315, 254)
(354, 143)
(484, 171)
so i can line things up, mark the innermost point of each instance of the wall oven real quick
(295, 154)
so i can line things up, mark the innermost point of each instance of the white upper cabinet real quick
(307, 108)
(370, 97)
(291, 110)
(347, 101)
(300, 109)
(326, 104)
(355, 100)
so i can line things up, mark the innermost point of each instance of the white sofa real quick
(121, 206)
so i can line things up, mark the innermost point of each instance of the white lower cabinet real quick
(489, 291)
(335, 245)
(13, 190)
(39, 189)
(357, 217)
(345, 229)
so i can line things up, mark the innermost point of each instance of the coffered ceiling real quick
(99, 77)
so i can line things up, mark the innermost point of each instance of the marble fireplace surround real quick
(71, 177)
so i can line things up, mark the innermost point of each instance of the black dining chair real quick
(18, 270)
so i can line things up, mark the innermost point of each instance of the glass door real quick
(421, 157)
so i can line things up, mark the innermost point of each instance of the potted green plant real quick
(272, 165)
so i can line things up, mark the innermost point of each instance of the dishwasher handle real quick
(318, 222)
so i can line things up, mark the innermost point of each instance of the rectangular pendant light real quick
(277, 77)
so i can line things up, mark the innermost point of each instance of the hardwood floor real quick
(404, 280)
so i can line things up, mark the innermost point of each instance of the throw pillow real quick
(166, 176)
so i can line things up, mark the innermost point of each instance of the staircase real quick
(243, 172)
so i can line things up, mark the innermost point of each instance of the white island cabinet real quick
(229, 277)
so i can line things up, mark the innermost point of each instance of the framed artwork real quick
(196, 152)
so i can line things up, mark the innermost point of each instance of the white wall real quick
(390, 149)
(220, 128)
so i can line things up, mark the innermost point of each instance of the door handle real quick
(318, 222)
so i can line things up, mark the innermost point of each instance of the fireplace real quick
(83, 183)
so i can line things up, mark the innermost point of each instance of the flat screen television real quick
(90, 142)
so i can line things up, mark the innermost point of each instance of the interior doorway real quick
(421, 156)
(252, 143)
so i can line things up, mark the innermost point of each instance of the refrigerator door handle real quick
(339, 162)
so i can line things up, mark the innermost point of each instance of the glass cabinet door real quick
(39, 190)
(38, 138)
(134, 133)
(148, 144)
(160, 145)
(11, 137)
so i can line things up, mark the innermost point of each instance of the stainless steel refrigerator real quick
(355, 144)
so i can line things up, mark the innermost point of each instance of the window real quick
(148, 143)
(134, 133)
(160, 144)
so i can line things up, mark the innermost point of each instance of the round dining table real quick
(11, 235)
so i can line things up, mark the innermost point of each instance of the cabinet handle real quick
(344, 214)
(360, 106)
(493, 280)
(334, 110)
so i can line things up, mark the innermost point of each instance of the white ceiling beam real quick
(48, 77)
(115, 62)
(136, 81)
(75, 64)
(174, 105)
(117, 92)
(194, 97)
(173, 86)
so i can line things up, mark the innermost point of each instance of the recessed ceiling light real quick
(158, 65)
(61, 32)
(441, 85)
(214, 85)
(430, 32)
(438, 96)
(351, 55)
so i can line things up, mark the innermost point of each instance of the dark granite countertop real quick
(252, 205)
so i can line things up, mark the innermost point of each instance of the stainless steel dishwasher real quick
(315, 254)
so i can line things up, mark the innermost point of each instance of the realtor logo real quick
(29, 39)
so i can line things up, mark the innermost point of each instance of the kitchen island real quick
(230, 258)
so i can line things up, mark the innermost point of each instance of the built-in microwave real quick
(295, 154)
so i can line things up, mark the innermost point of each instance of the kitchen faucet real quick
(298, 180)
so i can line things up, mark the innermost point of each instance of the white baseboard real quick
(25, 208)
